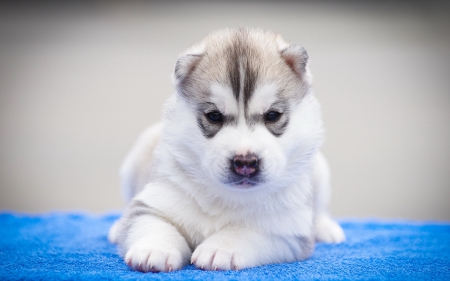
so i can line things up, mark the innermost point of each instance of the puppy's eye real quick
(215, 116)
(272, 116)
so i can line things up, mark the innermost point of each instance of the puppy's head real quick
(250, 118)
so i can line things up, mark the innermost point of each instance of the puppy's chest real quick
(198, 218)
(197, 225)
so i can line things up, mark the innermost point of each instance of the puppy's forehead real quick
(240, 71)
(222, 96)
(241, 60)
(263, 98)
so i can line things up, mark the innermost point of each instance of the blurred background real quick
(79, 81)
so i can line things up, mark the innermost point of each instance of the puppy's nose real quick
(245, 165)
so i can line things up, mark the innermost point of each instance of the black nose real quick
(245, 165)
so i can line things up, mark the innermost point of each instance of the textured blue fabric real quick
(68, 246)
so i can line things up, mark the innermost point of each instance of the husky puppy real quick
(232, 177)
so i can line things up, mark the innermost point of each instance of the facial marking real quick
(242, 73)
(233, 70)
(221, 103)
(251, 76)
(279, 127)
(264, 105)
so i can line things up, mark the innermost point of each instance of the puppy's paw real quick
(328, 231)
(112, 234)
(216, 256)
(154, 258)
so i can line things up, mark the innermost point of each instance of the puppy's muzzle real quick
(246, 165)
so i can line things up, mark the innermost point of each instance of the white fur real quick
(187, 211)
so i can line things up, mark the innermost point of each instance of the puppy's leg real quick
(135, 170)
(238, 248)
(149, 242)
(327, 230)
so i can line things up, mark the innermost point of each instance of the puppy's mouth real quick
(244, 183)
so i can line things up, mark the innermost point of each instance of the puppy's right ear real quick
(185, 65)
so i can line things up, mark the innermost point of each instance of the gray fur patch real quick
(241, 55)
(278, 127)
(307, 245)
(210, 128)
(233, 70)
(251, 77)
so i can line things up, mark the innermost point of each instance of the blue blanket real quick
(68, 246)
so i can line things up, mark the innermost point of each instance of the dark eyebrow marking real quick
(233, 70)
(277, 128)
(251, 75)
(210, 129)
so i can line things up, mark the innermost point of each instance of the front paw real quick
(218, 256)
(145, 257)
(328, 231)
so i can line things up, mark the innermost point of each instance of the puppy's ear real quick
(185, 65)
(296, 58)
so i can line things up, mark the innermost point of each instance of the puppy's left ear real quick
(296, 58)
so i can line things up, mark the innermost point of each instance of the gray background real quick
(78, 83)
